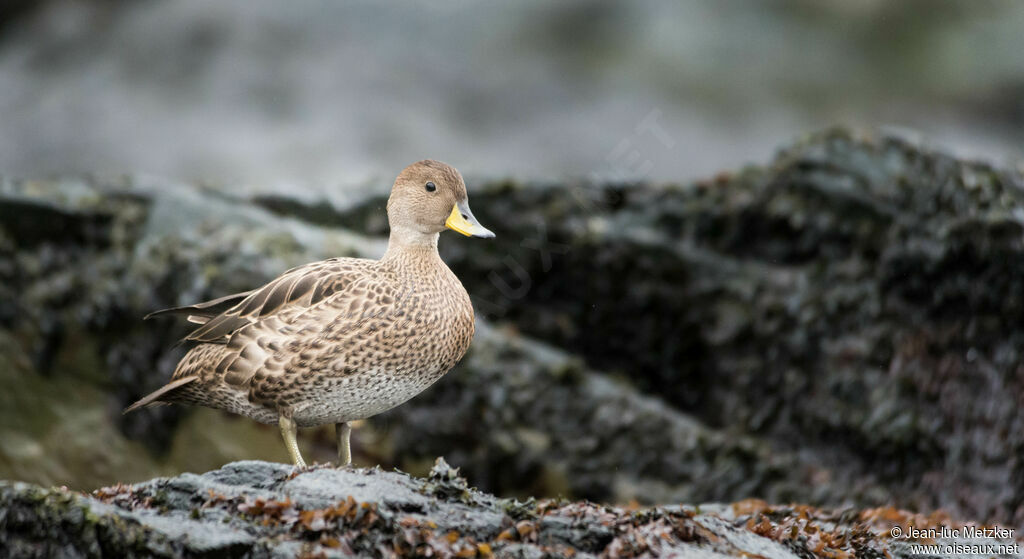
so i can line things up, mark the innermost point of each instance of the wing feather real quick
(289, 291)
(208, 309)
(302, 287)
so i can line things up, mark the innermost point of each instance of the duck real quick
(343, 339)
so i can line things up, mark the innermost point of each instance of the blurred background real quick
(320, 95)
(694, 295)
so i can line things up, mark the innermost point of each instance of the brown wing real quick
(300, 287)
(356, 305)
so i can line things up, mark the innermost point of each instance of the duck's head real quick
(430, 196)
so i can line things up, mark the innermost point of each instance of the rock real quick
(839, 327)
(260, 509)
(71, 309)
(531, 419)
(856, 304)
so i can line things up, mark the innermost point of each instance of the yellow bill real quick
(462, 220)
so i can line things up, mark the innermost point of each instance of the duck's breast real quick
(396, 357)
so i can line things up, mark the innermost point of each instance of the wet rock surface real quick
(855, 305)
(837, 328)
(261, 509)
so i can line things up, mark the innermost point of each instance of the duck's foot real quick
(288, 431)
(343, 432)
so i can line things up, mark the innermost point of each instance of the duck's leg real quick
(343, 431)
(288, 431)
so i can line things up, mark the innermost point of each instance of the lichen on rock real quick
(258, 509)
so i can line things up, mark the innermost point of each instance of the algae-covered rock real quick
(857, 303)
(258, 509)
(529, 419)
(81, 262)
(837, 327)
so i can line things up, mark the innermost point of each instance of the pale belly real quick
(360, 396)
(343, 399)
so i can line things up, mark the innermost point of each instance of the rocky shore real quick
(259, 509)
(838, 328)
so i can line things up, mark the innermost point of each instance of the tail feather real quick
(153, 398)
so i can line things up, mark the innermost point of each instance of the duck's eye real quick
(431, 187)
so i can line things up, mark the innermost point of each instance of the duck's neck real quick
(408, 243)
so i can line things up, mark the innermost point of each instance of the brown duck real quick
(342, 339)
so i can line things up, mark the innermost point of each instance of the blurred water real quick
(309, 95)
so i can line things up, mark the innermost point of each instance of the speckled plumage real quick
(342, 339)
